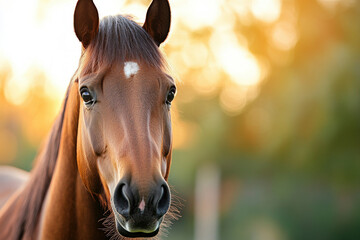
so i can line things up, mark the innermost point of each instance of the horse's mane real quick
(30, 200)
(119, 39)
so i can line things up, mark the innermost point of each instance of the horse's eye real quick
(86, 96)
(170, 95)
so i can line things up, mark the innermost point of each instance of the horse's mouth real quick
(139, 224)
(137, 233)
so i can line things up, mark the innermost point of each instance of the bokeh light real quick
(266, 10)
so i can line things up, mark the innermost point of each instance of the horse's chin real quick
(123, 232)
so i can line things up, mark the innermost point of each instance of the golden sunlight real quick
(266, 10)
(195, 54)
(37, 38)
(239, 63)
(284, 36)
(16, 90)
(199, 13)
(208, 81)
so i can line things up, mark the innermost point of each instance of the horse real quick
(102, 172)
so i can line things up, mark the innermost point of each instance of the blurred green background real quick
(266, 119)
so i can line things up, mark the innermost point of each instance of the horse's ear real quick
(157, 22)
(86, 21)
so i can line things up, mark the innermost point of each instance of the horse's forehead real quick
(135, 73)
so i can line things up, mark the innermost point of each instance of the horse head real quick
(124, 131)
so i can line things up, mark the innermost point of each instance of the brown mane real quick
(32, 197)
(119, 39)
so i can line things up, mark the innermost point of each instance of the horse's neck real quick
(69, 211)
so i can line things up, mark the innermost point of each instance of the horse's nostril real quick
(164, 200)
(121, 200)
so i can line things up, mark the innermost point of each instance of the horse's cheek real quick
(95, 133)
(87, 163)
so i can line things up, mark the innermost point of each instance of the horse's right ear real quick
(86, 21)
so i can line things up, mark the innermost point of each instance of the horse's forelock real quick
(119, 39)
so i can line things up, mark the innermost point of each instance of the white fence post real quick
(207, 191)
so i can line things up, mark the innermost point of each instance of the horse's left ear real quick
(157, 22)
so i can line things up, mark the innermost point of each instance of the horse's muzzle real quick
(140, 216)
